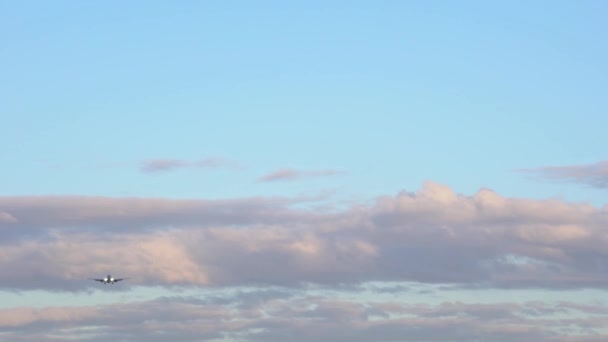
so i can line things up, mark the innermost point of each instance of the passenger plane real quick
(108, 279)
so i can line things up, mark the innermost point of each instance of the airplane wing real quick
(101, 280)
(120, 279)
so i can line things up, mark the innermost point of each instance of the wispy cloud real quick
(292, 174)
(595, 175)
(165, 165)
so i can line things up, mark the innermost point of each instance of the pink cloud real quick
(432, 235)
(307, 318)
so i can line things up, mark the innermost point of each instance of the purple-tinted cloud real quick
(292, 174)
(307, 318)
(430, 236)
(7, 218)
(595, 175)
(164, 165)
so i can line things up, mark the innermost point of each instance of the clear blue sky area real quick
(392, 92)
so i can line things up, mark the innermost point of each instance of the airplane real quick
(108, 279)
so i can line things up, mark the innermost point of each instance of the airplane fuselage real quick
(108, 280)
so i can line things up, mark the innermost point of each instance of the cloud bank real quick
(303, 318)
(273, 270)
(430, 236)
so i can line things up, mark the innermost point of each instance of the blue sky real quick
(357, 99)
(394, 93)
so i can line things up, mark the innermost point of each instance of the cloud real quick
(129, 214)
(304, 317)
(165, 165)
(292, 174)
(594, 175)
(273, 270)
(7, 218)
(431, 236)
